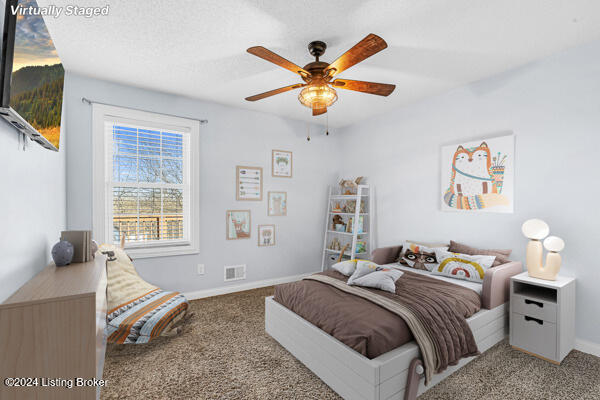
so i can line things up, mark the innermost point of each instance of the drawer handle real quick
(537, 303)
(539, 321)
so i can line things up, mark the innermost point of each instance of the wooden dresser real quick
(53, 327)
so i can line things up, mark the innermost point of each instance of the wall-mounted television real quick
(31, 74)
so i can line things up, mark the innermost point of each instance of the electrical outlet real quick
(200, 269)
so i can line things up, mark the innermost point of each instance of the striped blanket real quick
(137, 310)
(146, 317)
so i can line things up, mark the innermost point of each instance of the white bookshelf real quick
(348, 196)
(341, 213)
(351, 235)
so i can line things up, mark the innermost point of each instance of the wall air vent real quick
(235, 272)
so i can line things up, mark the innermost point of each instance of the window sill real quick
(160, 251)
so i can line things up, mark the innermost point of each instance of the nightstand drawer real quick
(534, 335)
(534, 307)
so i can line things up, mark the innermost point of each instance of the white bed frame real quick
(354, 376)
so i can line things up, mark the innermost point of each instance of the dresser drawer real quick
(534, 335)
(534, 307)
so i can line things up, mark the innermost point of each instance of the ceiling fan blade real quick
(362, 50)
(268, 55)
(380, 89)
(319, 111)
(275, 91)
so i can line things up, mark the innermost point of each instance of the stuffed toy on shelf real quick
(338, 223)
(349, 187)
(350, 206)
(335, 244)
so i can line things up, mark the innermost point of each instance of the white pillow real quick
(462, 266)
(369, 274)
(345, 267)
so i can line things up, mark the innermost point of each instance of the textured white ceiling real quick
(198, 48)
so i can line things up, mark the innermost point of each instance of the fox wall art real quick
(478, 176)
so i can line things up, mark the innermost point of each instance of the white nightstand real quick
(542, 316)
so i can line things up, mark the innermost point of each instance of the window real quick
(145, 185)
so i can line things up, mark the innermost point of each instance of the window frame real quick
(102, 179)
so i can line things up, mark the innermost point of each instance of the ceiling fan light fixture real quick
(317, 96)
(318, 93)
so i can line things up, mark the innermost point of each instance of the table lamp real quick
(536, 230)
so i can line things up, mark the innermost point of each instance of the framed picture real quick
(281, 163)
(266, 235)
(478, 176)
(277, 204)
(238, 224)
(249, 183)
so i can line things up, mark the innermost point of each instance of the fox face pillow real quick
(418, 256)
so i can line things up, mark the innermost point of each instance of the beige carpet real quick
(224, 353)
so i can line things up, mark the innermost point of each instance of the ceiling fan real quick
(319, 92)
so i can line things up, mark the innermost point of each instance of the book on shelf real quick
(361, 246)
(359, 226)
(82, 244)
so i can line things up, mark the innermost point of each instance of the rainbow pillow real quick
(462, 266)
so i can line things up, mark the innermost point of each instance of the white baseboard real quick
(587, 347)
(200, 294)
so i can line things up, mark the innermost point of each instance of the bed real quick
(384, 367)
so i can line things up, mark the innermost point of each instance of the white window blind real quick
(148, 193)
(148, 189)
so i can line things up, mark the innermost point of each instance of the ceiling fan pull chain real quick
(307, 132)
(327, 127)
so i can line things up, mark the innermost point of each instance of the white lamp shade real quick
(554, 243)
(535, 229)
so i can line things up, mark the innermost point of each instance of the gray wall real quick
(231, 137)
(32, 207)
(553, 107)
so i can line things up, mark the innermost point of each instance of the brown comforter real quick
(372, 330)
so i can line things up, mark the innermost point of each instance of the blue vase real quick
(62, 253)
